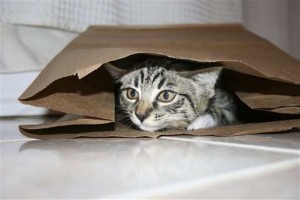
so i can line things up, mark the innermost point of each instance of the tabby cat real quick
(157, 96)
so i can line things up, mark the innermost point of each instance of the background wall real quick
(275, 20)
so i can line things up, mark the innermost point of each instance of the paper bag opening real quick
(95, 113)
(259, 99)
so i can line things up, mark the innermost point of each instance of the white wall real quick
(276, 20)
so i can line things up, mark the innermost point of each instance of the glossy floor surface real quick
(248, 167)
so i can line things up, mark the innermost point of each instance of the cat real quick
(158, 95)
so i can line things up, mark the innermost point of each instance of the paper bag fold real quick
(262, 76)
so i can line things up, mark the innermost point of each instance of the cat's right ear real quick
(115, 71)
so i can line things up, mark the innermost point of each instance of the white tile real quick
(276, 184)
(287, 140)
(275, 181)
(95, 168)
(115, 167)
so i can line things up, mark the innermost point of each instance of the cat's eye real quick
(132, 94)
(166, 96)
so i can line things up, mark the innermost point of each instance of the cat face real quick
(155, 98)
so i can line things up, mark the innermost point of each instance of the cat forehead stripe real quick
(148, 73)
(142, 76)
(155, 77)
(158, 73)
(162, 81)
(136, 81)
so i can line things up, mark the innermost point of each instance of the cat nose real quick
(142, 110)
(141, 116)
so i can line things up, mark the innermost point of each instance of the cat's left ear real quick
(208, 76)
(115, 71)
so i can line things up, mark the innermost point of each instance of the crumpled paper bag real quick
(265, 79)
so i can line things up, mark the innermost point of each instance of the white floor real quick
(249, 167)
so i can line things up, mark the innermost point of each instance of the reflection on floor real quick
(253, 166)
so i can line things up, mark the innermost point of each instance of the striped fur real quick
(198, 102)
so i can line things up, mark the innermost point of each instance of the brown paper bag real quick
(264, 78)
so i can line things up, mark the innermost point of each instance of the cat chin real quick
(149, 128)
(144, 127)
